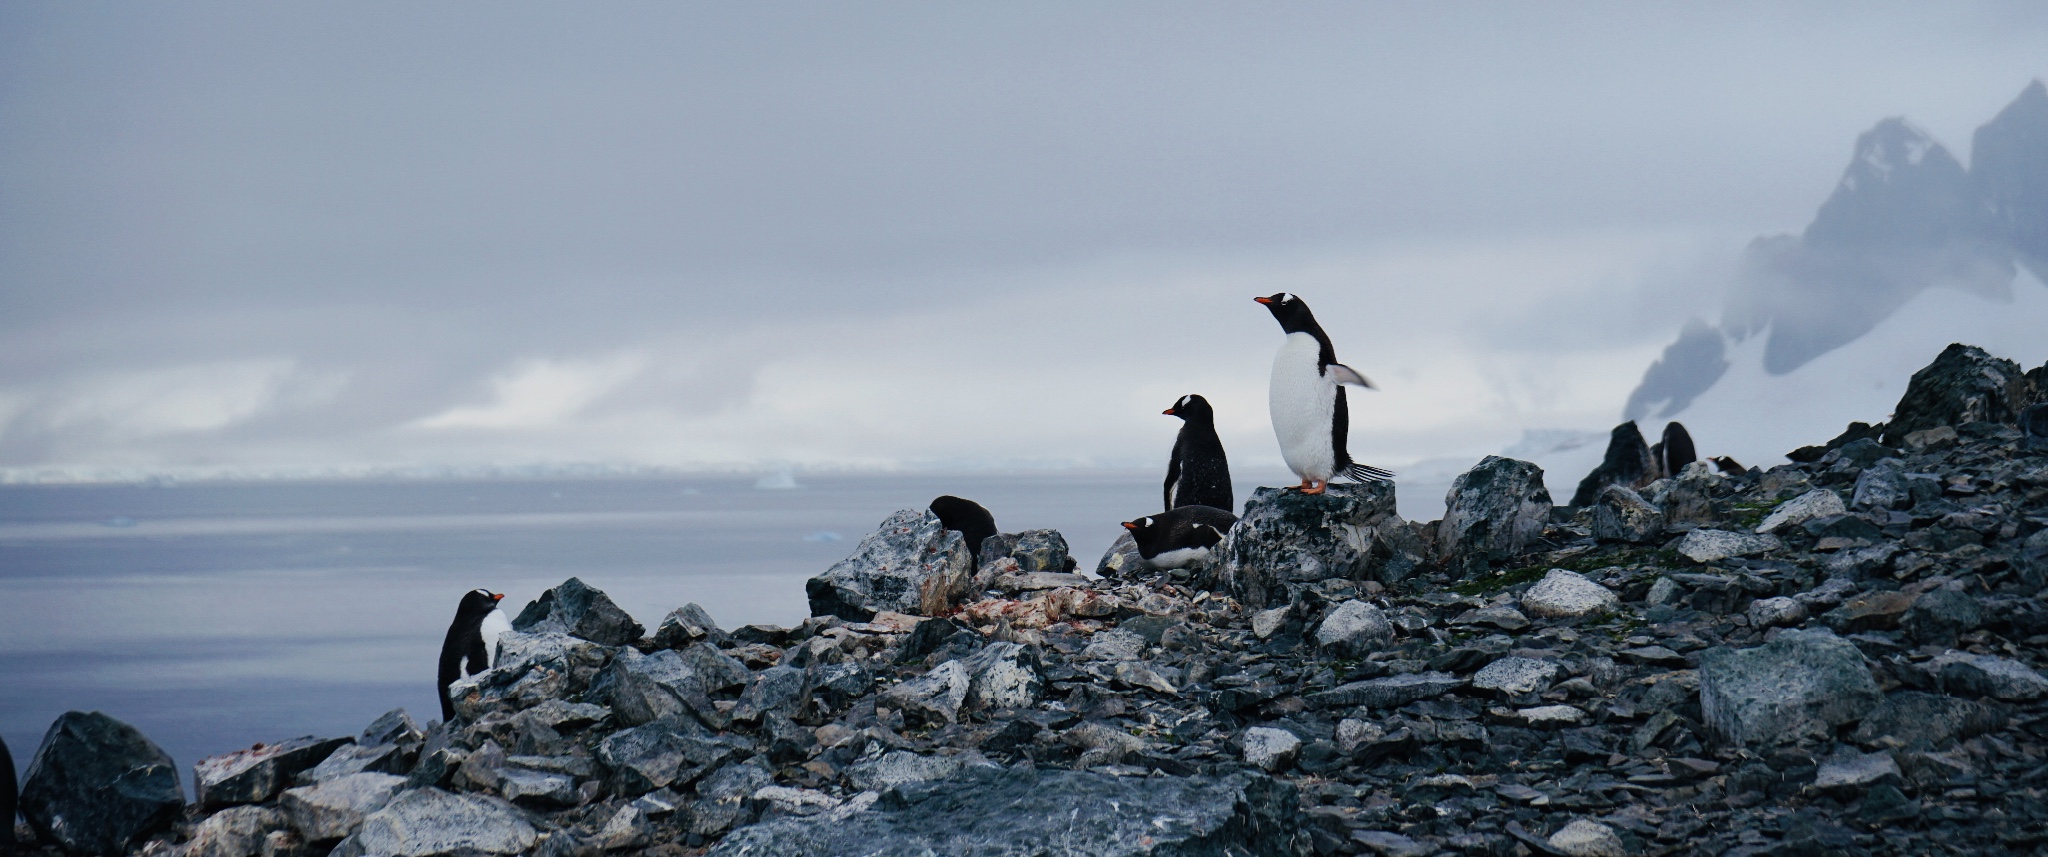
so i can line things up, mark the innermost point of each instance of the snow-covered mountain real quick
(1910, 252)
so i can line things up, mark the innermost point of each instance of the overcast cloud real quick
(886, 235)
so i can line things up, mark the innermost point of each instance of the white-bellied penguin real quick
(1306, 397)
(1198, 475)
(465, 642)
(973, 522)
(1181, 537)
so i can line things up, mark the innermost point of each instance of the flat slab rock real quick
(425, 822)
(1389, 692)
(1706, 545)
(1799, 682)
(1018, 812)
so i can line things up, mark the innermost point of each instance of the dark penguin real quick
(1180, 537)
(1306, 397)
(1675, 451)
(1728, 465)
(1198, 475)
(973, 522)
(8, 797)
(466, 642)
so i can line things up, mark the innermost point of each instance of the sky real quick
(308, 238)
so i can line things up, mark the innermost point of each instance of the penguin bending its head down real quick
(973, 522)
(1181, 537)
(1198, 475)
(1306, 397)
(1675, 450)
(466, 642)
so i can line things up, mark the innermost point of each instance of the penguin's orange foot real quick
(1314, 487)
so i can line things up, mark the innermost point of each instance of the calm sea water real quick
(213, 616)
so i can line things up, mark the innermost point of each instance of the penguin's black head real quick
(1192, 408)
(1140, 525)
(479, 603)
(1290, 311)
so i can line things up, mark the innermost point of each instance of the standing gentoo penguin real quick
(466, 642)
(1306, 397)
(1198, 475)
(1177, 538)
(973, 522)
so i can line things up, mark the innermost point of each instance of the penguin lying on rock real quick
(1177, 538)
(1307, 400)
(1198, 474)
(466, 641)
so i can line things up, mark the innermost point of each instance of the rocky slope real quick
(1836, 656)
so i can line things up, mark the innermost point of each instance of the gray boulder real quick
(1389, 692)
(1622, 515)
(358, 758)
(911, 564)
(1818, 503)
(1034, 550)
(1962, 385)
(97, 786)
(778, 690)
(1271, 750)
(531, 669)
(1496, 509)
(1122, 559)
(1003, 675)
(1355, 629)
(1704, 545)
(1565, 594)
(1925, 721)
(427, 822)
(391, 727)
(236, 831)
(334, 809)
(1019, 812)
(672, 752)
(1798, 683)
(902, 767)
(1987, 675)
(1881, 486)
(1515, 675)
(575, 609)
(1286, 539)
(686, 625)
(934, 697)
(257, 774)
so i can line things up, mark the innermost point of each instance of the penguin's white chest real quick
(495, 625)
(1303, 402)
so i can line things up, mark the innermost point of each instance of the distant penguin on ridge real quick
(465, 642)
(973, 522)
(1198, 474)
(1306, 397)
(1177, 538)
(1675, 451)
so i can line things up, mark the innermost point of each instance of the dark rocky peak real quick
(1901, 188)
(2009, 168)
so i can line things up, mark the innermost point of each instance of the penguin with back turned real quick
(465, 642)
(970, 519)
(1198, 474)
(1177, 538)
(1306, 397)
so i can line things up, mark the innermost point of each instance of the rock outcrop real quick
(1497, 509)
(911, 564)
(1287, 540)
(97, 786)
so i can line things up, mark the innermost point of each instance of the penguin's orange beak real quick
(1130, 525)
(1168, 412)
(1263, 300)
(497, 597)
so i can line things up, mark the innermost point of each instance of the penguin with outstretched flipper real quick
(966, 517)
(1306, 396)
(1177, 538)
(465, 642)
(1198, 474)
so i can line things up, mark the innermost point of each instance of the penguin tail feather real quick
(1368, 473)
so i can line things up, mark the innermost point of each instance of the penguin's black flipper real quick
(478, 658)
